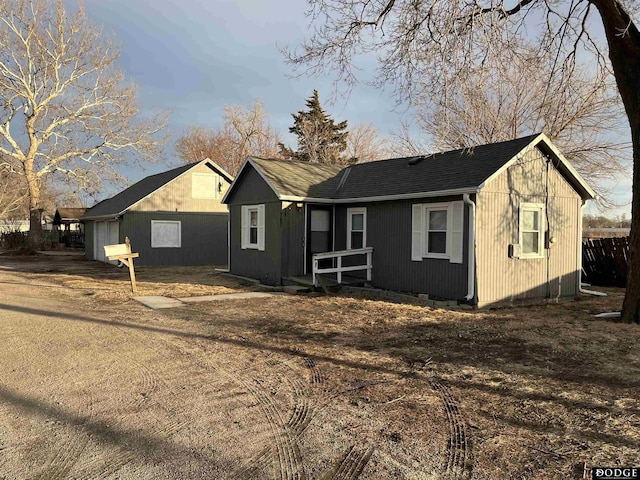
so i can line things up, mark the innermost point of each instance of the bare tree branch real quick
(64, 104)
(245, 131)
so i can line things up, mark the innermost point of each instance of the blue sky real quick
(192, 57)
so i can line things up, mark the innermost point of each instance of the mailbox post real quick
(122, 252)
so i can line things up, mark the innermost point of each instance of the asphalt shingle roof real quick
(123, 200)
(300, 179)
(457, 169)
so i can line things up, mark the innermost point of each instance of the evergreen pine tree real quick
(320, 139)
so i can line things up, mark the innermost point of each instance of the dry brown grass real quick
(540, 388)
(109, 283)
(535, 390)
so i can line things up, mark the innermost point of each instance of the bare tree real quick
(245, 131)
(366, 144)
(65, 108)
(427, 47)
(507, 100)
(13, 195)
(407, 143)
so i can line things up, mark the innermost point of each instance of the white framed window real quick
(166, 234)
(252, 222)
(204, 185)
(356, 228)
(437, 231)
(531, 230)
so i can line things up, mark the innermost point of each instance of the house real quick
(496, 223)
(172, 218)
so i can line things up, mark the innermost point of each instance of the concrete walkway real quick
(156, 301)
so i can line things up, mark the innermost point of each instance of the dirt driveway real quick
(94, 385)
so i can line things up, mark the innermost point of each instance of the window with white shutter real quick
(437, 231)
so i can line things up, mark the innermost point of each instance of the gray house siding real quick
(389, 233)
(203, 238)
(293, 248)
(251, 189)
(265, 265)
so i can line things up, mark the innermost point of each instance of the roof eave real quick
(383, 198)
(587, 192)
(102, 217)
(249, 161)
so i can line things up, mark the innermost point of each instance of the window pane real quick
(253, 235)
(530, 242)
(437, 242)
(530, 220)
(356, 239)
(357, 221)
(438, 220)
(254, 218)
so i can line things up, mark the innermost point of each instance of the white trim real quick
(201, 162)
(532, 207)
(305, 238)
(456, 253)
(542, 138)
(333, 227)
(245, 222)
(579, 249)
(426, 208)
(382, 198)
(471, 272)
(417, 232)
(350, 213)
(454, 248)
(249, 161)
(158, 222)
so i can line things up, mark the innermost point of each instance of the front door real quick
(319, 234)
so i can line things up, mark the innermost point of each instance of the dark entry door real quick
(319, 234)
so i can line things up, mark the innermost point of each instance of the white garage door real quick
(105, 233)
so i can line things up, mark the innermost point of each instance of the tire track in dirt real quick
(285, 442)
(316, 374)
(458, 463)
(302, 412)
(351, 464)
(285, 448)
(148, 381)
(58, 465)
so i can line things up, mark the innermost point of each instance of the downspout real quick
(580, 289)
(471, 275)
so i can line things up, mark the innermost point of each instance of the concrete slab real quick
(228, 296)
(295, 289)
(62, 253)
(157, 301)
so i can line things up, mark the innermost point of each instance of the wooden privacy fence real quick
(604, 261)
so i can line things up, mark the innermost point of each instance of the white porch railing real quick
(339, 269)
